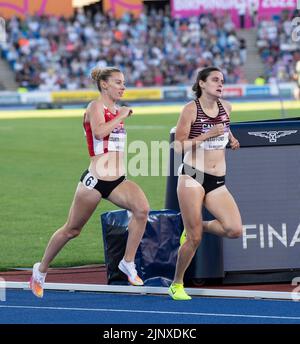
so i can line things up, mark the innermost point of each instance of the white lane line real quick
(153, 312)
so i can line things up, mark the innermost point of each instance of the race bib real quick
(116, 141)
(218, 142)
(89, 181)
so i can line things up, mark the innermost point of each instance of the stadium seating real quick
(277, 49)
(57, 53)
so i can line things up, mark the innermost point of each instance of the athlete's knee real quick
(195, 242)
(234, 231)
(72, 232)
(194, 239)
(141, 211)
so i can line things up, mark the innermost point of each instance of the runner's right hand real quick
(125, 111)
(216, 130)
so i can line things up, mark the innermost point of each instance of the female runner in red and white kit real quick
(105, 178)
(202, 133)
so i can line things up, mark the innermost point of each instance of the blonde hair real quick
(98, 74)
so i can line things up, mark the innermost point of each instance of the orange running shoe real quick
(128, 268)
(37, 281)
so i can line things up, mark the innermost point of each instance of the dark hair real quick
(202, 75)
(98, 74)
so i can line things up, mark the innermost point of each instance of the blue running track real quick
(61, 307)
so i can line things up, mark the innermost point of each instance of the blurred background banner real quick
(119, 7)
(22, 8)
(235, 8)
(184, 9)
(268, 8)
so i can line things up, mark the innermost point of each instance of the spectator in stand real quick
(260, 81)
(243, 50)
(297, 78)
(242, 12)
(253, 9)
(278, 51)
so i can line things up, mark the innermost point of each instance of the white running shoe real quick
(128, 268)
(37, 281)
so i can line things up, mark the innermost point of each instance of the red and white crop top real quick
(114, 142)
(204, 123)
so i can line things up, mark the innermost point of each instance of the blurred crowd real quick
(278, 48)
(154, 49)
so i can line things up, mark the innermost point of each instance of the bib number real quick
(89, 181)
